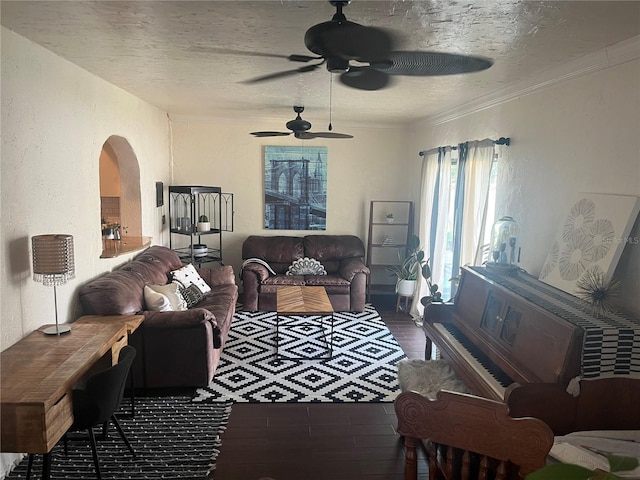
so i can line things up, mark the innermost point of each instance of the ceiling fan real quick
(338, 42)
(300, 129)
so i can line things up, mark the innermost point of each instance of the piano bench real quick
(427, 377)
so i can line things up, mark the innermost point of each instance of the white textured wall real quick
(368, 167)
(579, 136)
(55, 119)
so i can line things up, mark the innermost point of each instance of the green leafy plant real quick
(568, 471)
(410, 262)
(203, 218)
(434, 294)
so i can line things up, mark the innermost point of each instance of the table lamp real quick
(53, 265)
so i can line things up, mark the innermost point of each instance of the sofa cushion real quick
(188, 275)
(332, 247)
(284, 280)
(306, 266)
(278, 250)
(115, 293)
(324, 280)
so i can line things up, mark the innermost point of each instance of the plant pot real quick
(389, 220)
(406, 288)
(203, 226)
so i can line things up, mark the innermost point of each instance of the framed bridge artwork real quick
(295, 188)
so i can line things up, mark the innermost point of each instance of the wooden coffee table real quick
(310, 302)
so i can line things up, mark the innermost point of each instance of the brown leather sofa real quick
(175, 348)
(340, 255)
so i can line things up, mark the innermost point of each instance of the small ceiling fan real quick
(300, 129)
(339, 41)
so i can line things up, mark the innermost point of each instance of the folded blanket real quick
(261, 262)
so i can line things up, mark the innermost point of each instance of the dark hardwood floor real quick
(320, 441)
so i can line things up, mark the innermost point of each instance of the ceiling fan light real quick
(365, 78)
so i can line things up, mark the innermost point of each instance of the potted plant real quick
(389, 218)
(203, 224)
(434, 294)
(407, 271)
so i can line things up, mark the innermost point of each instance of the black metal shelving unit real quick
(186, 205)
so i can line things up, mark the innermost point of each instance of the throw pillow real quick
(192, 295)
(188, 275)
(306, 266)
(171, 291)
(156, 302)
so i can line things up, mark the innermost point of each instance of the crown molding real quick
(623, 52)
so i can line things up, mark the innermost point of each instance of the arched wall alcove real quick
(120, 195)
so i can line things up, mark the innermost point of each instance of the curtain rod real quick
(501, 141)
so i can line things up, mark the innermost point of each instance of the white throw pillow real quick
(156, 302)
(188, 275)
(171, 292)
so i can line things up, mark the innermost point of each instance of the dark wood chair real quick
(469, 437)
(603, 404)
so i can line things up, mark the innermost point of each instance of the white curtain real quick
(435, 202)
(476, 194)
(436, 215)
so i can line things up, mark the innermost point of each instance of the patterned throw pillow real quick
(192, 295)
(188, 275)
(306, 266)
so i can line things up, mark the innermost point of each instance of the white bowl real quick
(199, 250)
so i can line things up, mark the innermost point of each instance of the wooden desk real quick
(37, 375)
(130, 322)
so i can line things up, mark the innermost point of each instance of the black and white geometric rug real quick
(361, 369)
(173, 438)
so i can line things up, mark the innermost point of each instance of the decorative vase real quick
(505, 243)
(203, 226)
(406, 288)
(389, 220)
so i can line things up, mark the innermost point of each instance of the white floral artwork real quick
(591, 237)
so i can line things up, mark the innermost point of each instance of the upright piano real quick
(512, 328)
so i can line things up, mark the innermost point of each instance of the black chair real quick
(97, 402)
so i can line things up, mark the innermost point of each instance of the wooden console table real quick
(37, 376)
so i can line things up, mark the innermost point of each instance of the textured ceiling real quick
(191, 58)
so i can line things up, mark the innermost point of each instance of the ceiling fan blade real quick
(286, 73)
(270, 134)
(230, 51)
(365, 78)
(430, 63)
(329, 135)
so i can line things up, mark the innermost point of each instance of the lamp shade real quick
(53, 262)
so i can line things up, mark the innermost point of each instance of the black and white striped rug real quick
(173, 438)
(362, 367)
